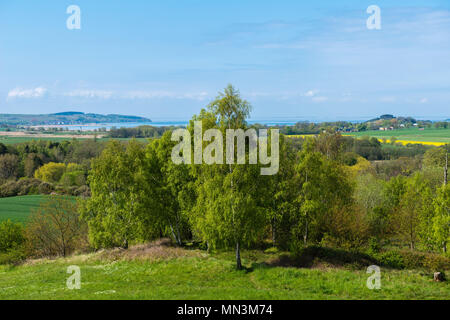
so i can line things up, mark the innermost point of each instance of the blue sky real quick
(168, 59)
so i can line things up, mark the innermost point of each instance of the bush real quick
(82, 191)
(436, 262)
(50, 172)
(374, 245)
(11, 243)
(391, 259)
(11, 236)
(23, 187)
(45, 188)
(55, 229)
(13, 256)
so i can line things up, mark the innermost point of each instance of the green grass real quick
(411, 134)
(18, 208)
(207, 277)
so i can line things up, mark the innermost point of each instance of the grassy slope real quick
(18, 208)
(197, 275)
(413, 134)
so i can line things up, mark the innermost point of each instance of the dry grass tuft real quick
(157, 250)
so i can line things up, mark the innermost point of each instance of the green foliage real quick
(12, 242)
(51, 172)
(374, 245)
(74, 176)
(169, 189)
(435, 157)
(11, 236)
(441, 220)
(115, 211)
(391, 259)
(13, 256)
(318, 178)
(227, 212)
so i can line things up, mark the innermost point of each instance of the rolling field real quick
(413, 135)
(18, 208)
(175, 273)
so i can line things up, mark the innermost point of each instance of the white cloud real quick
(98, 94)
(311, 93)
(165, 94)
(38, 92)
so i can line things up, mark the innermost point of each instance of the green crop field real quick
(174, 273)
(18, 208)
(13, 140)
(412, 134)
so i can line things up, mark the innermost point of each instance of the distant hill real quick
(66, 118)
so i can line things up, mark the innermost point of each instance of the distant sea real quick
(108, 126)
(181, 123)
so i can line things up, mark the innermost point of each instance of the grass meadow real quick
(160, 272)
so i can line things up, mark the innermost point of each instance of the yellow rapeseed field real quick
(403, 142)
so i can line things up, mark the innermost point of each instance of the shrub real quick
(45, 188)
(74, 178)
(414, 260)
(13, 256)
(374, 245)
(82, 191)
(391, 259)
(11, 243)
(436, 262)
(11, 235)
(50, 172)
(24, 186)
(55, 229)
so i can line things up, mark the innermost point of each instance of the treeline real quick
(391, 122)
(43, 167)
(140, 132)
